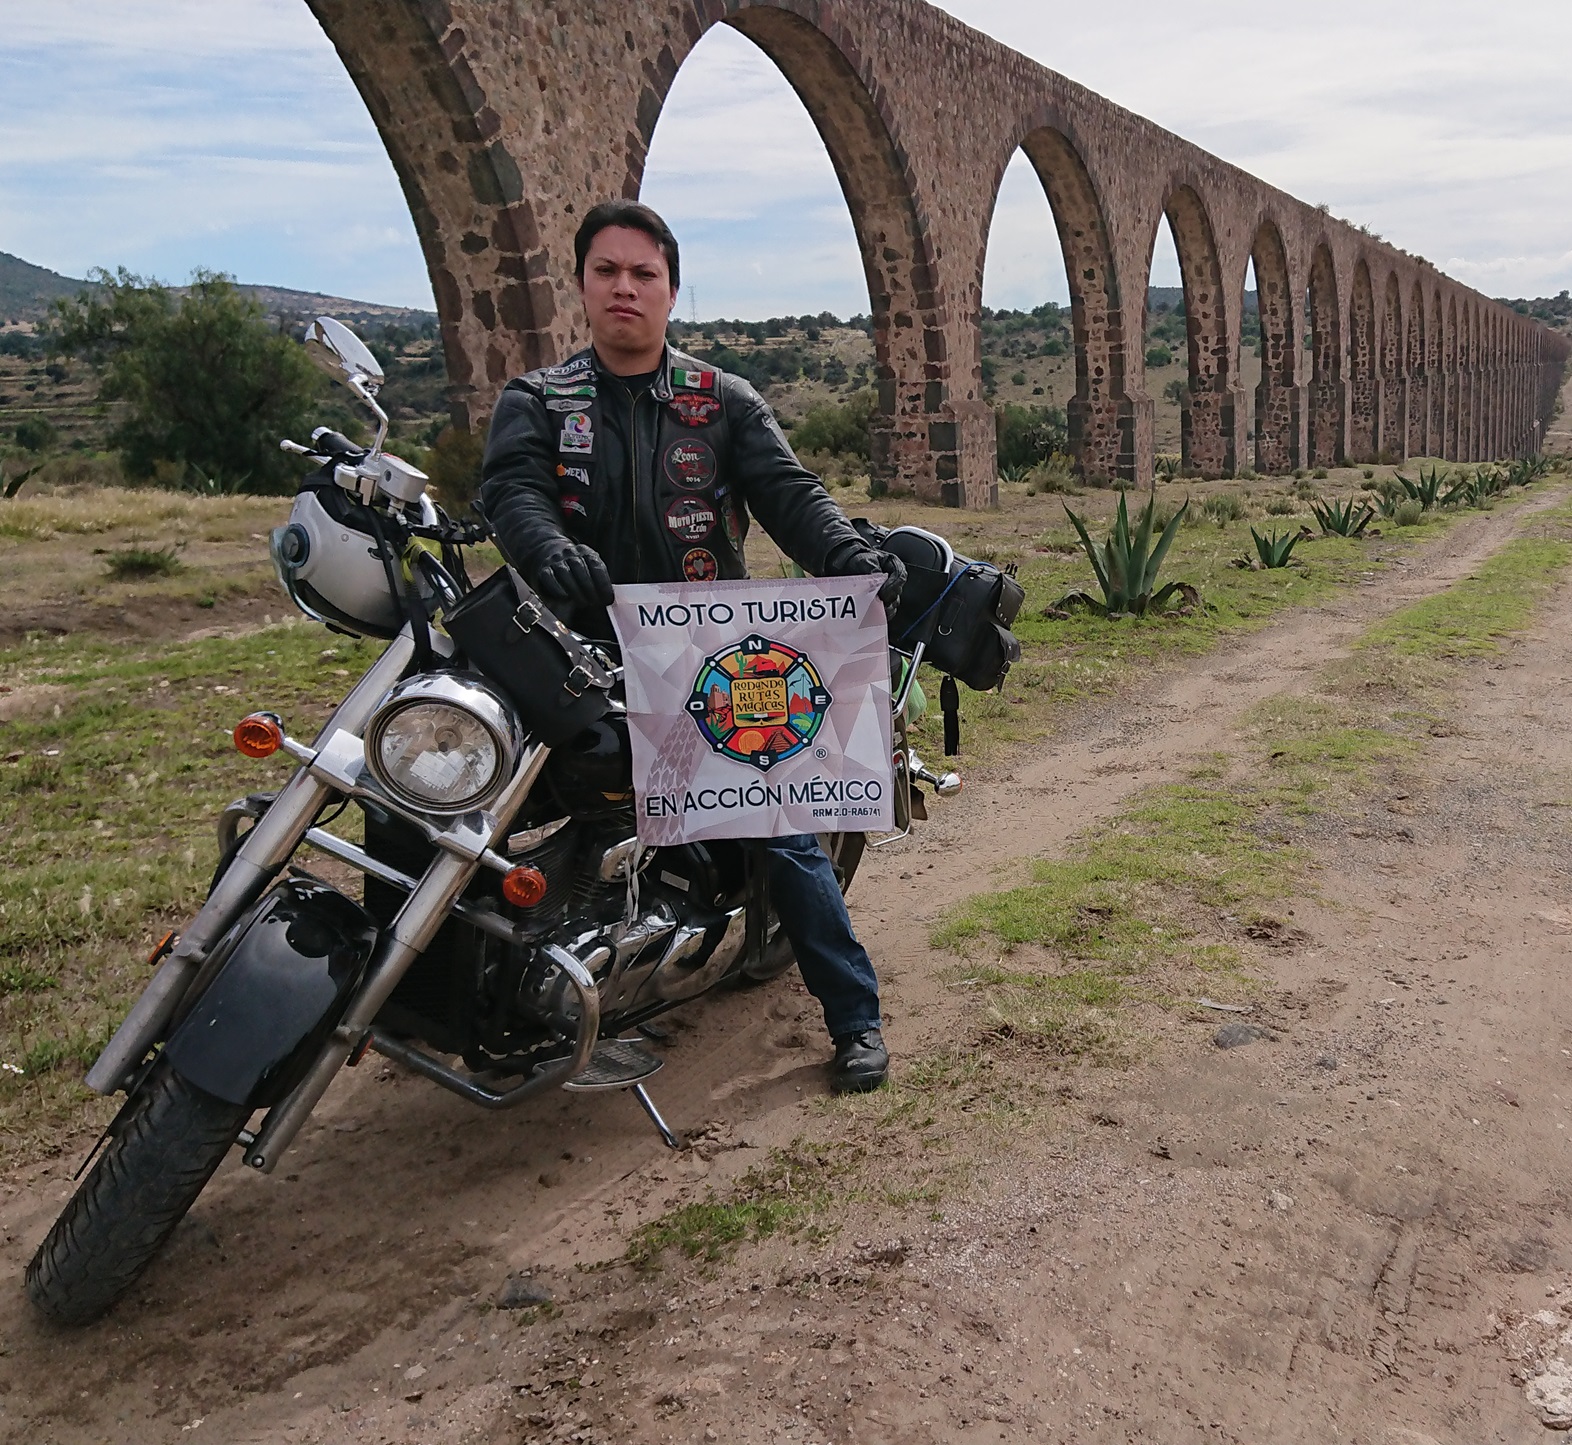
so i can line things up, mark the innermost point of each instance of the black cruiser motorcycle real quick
(512, 934)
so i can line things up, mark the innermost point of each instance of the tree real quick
(1026, 435)
(207, 385)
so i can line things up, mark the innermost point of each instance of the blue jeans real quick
(808, 902)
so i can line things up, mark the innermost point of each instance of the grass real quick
(106, 828)
(1470, 617)
(133, 563)
(783, 1194)
(1127, 917)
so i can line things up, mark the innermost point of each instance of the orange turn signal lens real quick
(258, 736)
(524, 887)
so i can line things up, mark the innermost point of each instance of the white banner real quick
(758, 708)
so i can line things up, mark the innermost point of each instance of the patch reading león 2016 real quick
(759, 702)
(690, 464)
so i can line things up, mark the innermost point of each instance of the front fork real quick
(265, 849)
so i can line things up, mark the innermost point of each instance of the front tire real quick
(167, 1146)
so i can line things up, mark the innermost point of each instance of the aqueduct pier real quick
(507, 119)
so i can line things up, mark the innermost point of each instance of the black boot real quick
(861, 1063)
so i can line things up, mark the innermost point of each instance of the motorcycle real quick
(512, 934)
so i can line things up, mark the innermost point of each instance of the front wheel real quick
(844, 850)
(165, 1149)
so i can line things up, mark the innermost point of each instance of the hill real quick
(26, 292)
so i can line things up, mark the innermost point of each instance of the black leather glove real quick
(576, 575)
(867, 562)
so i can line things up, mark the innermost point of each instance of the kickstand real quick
(648, 1105)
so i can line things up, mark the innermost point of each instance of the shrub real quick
(1057, 474)
(1281, 507)
(34, 433)
(1159, 356)
(1319, 474)
(840, 429)
(1017, 378)
(1028, 435)
(1223, 507)
(455, 467)
(1408, 512)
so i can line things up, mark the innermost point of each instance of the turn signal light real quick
(524, 887)
(258, 736)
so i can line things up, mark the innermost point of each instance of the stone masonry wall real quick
(507, 119)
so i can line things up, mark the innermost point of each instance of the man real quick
(632, 462)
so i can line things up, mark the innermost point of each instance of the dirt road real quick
(1353, 1229)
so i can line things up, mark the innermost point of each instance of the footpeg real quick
(616, 1064)
(625, 1064)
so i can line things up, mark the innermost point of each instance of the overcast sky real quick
(169, 134)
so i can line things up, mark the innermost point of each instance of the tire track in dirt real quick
(401, 1205)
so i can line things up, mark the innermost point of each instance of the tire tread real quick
(138, 1190)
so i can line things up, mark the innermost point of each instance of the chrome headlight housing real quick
(442, 743)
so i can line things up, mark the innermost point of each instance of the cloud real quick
(168, 134)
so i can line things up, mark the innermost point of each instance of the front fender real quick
(279, 992)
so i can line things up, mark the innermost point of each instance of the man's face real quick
(627, 292)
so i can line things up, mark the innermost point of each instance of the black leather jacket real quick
(660, 478)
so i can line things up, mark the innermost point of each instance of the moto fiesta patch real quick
(690, 464)
(691, 518)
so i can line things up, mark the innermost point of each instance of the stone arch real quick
(1208, 436)
(478, 231)
(1363, 407)
(1100, 417)
(929, 412)
(1416, 374)
(1277, 396)
(1392, 427)
(1468, 379)
(1435, 424)
(1326, 419)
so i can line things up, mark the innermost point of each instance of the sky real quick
(171, 134)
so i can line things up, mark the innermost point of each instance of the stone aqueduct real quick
(507, 119)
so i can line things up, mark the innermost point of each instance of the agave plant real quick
(1167, 466)
(1427, 490)
(1274, 551)
(1523, 470)
(1127, 565)
(1343, 519)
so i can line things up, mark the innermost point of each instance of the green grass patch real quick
(1472, 616)
(784, 1194)
(106, 829)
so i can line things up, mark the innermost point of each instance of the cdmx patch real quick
(759, 702)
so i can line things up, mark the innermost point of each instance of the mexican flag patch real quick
(693, 380)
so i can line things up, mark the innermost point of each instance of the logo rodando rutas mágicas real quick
(758, 702)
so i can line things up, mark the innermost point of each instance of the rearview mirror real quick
(343, 355)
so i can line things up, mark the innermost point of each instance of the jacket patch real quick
(695, 410)
(699, 565)
(690, 464)
(692, 380)
(572, 502)
(690, 518)
(578, 433)
(574, 402)
(733, 527)
(578, 474)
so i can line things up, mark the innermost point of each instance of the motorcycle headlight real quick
(442, 743)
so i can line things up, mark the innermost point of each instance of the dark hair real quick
(636, 218)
